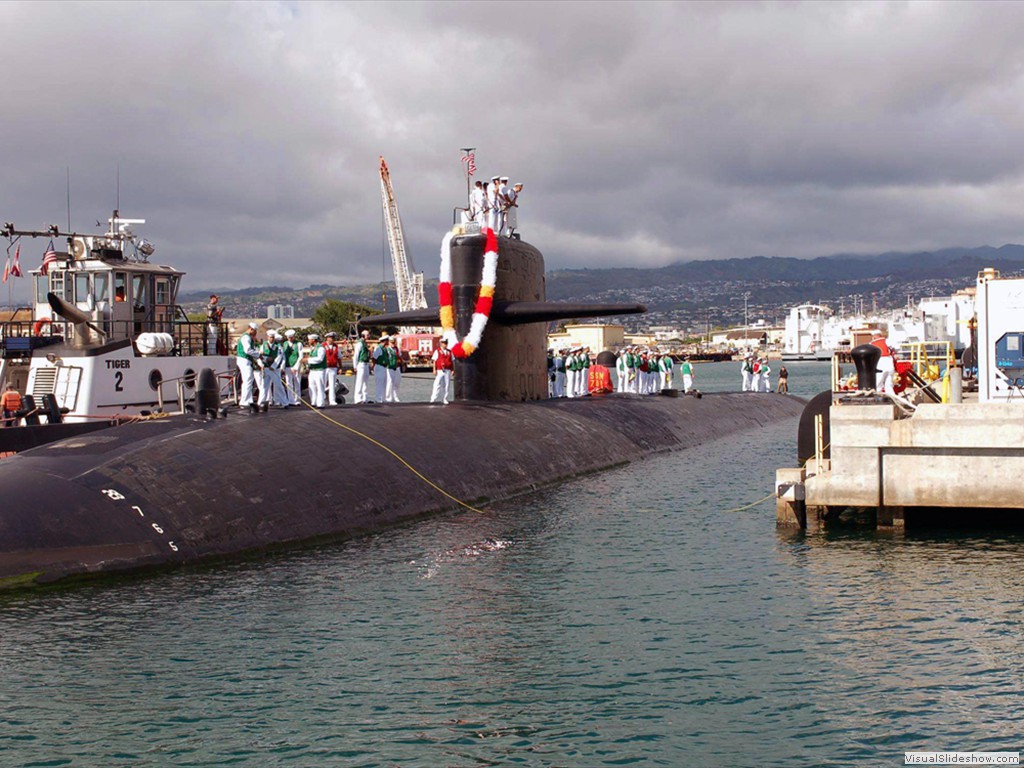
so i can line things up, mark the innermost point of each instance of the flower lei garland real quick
(482, 311)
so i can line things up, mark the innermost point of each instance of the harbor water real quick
(650, 615)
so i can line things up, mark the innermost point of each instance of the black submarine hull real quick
(185, 490)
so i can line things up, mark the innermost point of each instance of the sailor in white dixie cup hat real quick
(503, 200)
(380, 360)
(270, 386)
(361, 365)
(317, 362)
(493, 203)
(247, 356)
(292, 362)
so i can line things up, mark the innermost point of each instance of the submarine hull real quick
(182, 490)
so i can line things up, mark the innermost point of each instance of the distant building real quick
(594, 335)
(280, 312)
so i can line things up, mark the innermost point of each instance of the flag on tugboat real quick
(7, 267)
(470, 161)
(50, 257)
(16, 266)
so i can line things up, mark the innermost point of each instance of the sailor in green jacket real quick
(271, 389)
(317, 372)
(247, 355)
(380, 360)
(292, 362)
(686, 369)
(667, 364)
(361, 365)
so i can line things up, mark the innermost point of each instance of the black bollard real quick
(865, 358)
(207, 393)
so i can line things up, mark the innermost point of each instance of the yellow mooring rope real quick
(383, 447)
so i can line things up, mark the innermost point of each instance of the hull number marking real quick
(113, 495)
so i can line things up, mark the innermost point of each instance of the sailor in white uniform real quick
(381, 361)
(478, 204)
(765, 376)
(270, 386)
(621, 371)
(317, 371)
(247, 354)
(443, 361)
(503, 202)
(394, 371)
(512, 214)
(292, 364)
(493, 203)
(361, 364)
(747, 369)
(559, 388)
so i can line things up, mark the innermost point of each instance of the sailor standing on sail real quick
(276, 371)
(667, 364)
(332, 354)
(292, 363)
(478, 204)
(317, 369)
(361, 364)
(747, 369)
(247, 354)
(503, 202)
(379, 367)
(512, 214)
(493, 203)
(444, 362)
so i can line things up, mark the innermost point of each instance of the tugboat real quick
(107, 338)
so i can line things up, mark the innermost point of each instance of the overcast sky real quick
(248, 134)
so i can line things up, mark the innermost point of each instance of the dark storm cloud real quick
(248, 134)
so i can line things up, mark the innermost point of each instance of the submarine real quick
(191, 488)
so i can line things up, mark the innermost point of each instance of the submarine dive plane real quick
(188, 488)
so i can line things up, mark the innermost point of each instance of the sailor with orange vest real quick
(10, 404)
(599, 378)
(331, 352)
(444, 362)
(886, 367)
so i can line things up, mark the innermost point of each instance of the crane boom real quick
(408, 285)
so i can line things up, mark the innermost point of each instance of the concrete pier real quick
(955, 456)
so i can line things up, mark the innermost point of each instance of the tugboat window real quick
(42, 286)
(57, 284)
(155, 379)
(81, 288)
(101, 282)
(163, 294)
(120, 280)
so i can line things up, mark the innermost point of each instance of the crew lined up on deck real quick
(496, 205)
(639, 370)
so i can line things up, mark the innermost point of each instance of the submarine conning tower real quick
(510, 364)
(511, 361)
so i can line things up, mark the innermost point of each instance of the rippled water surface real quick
(633, 617)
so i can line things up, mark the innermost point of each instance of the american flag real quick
(470, 161)
(50, 257)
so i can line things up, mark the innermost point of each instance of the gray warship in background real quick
(187, 488)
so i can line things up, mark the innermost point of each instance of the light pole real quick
(746, 324)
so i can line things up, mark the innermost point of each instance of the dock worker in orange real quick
(10, 404)
(599, 380)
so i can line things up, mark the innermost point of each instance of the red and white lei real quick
(485, 297)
